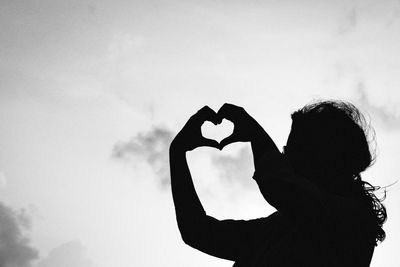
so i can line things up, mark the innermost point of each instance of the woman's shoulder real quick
(274, 222)
(349, 212)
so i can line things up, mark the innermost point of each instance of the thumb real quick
(209, 142)
(228, 140)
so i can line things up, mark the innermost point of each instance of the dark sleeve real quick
(285, 191)
(297, 196)
(227, 239)
(222, 239)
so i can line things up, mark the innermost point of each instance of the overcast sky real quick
(92, 92)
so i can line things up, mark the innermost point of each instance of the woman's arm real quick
(278, 184)
(218, 238)
(224, 239)
(188, 207)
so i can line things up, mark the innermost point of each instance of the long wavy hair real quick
(339, 140)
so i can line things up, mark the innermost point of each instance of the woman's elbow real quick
(192, 232)
(191, 237)
(187, 230)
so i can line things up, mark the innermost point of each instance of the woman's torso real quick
(323, 241)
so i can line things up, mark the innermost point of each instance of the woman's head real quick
(329, 145)
(328, 140)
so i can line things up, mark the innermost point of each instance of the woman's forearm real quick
(278, 183)
(261, 143)
(188, 207)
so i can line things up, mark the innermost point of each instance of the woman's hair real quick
(338, 141)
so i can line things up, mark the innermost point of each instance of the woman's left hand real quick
(190, 137)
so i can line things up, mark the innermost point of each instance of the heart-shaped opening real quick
(217, 132)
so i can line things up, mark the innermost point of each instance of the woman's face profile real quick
(297, 150)
(291, 150)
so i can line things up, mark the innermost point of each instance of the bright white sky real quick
(77, 78)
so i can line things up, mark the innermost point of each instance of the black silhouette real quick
(326, 214)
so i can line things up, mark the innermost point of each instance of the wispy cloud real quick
(123, 45)
(395, 16)
(151, 146)
(3, 179)
(15, 249)
(69, 254)
(237, 168)
(349, 22)
(386, 118)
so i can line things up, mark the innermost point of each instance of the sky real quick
(92, 92)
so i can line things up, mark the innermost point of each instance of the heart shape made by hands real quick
(217, 132)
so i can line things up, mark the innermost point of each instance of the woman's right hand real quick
(246, 128)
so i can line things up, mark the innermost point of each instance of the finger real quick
(228, 140)
(207, 114)
(229, 111)
(210, 143)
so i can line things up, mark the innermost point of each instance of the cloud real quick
(15, 250)
(151, 146)
(123, 45)
(3, 179)
(69, 254)
(236, 169)
(384, 117)
(349, 22)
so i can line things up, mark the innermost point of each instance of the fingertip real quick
(222, 145)
(217, 120)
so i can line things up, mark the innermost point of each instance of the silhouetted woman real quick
(326, 214)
